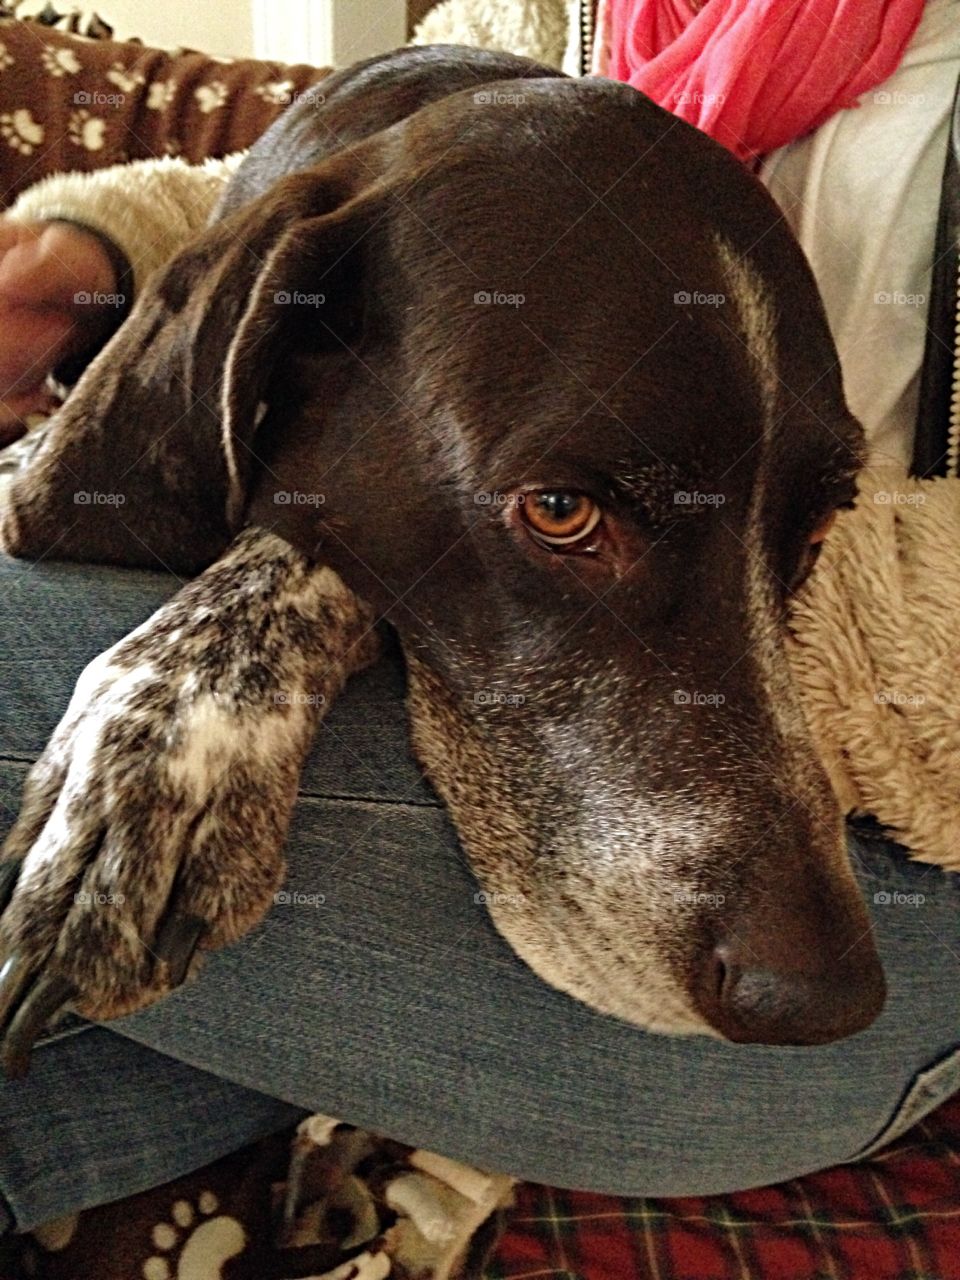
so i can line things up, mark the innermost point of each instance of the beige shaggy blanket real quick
(538, 29)
(875, 650)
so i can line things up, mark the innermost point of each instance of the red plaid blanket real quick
(893, 1217)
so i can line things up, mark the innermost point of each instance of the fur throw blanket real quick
(533, 28)
(875, 651)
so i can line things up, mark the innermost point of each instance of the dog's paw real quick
(152, 826)
(153, 823)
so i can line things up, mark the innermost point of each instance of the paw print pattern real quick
(6, 57)
(277, 92)
(197, 1243)
(56, 1235)
(211, 96)
(87, 131)
(59, 62)
(126, 80)
(160, 94)
(22, 132)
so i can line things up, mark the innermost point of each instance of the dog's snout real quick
(756, 993)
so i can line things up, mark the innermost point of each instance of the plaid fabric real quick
(893, 1217)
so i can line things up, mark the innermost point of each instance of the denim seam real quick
(27, 761)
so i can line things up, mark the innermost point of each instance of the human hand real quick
(47, 269)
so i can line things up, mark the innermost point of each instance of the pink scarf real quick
(756, 74)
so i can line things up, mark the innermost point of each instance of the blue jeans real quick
(395, 1004)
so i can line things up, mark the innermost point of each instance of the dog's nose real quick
(755, 993)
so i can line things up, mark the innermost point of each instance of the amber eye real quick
(559, 518)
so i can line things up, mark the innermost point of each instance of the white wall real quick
(223, 27)
(324, 32)
(327, 32)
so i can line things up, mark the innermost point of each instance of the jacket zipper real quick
(953, 431)
(586, 36)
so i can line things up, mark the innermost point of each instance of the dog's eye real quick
(559, 518)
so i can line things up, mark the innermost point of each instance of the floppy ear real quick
(306, 294)
(147, 462)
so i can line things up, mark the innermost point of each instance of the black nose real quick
(755, 998)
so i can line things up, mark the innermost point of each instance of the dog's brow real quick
(663, 492)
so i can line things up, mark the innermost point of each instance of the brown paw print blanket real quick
(73, 103)
(328, 1202)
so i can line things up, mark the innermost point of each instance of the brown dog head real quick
(540, 372)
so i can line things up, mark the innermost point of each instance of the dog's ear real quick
(306, 296)
(147, 462)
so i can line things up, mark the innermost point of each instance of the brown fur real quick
(616, 734)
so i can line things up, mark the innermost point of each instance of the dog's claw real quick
(48, 996)
(9, 875)
(15, 976)
(177, 941)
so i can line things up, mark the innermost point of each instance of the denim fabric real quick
(385, 996)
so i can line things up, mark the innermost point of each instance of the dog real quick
(534, 373)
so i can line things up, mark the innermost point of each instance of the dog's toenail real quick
(176, 943)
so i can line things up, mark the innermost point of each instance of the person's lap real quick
(380, 992)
